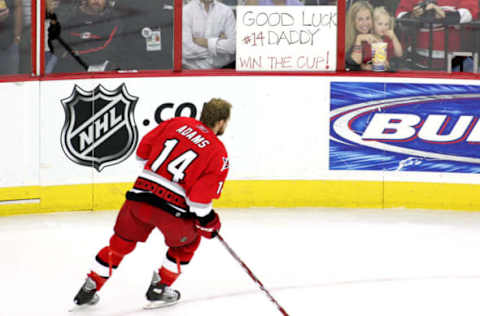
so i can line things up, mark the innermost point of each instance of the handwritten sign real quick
(286, 38)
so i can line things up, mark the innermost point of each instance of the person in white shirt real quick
(209, 34)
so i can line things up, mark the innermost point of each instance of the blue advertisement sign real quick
(404, 127)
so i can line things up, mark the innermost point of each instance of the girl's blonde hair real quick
(379, 11)
(351, 31)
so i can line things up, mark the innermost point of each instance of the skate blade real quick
(93, 302)
(155, 305)
(76, 308)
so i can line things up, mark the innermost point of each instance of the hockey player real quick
(185, 168)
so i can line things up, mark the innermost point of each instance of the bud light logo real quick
(405, 127)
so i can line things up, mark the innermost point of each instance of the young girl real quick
(383, 29)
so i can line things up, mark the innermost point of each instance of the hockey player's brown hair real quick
(215, 110)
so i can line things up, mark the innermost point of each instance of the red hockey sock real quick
(99, 280)
(111, 256)
(167, 277)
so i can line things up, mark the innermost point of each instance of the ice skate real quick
(160, 295)
(87, 295)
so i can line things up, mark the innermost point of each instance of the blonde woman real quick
(359, 35)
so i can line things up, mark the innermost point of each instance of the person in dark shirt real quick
(320, 2)
(89, 39)
(10, 35)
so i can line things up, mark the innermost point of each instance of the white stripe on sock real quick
(172, 266)
(100, 269)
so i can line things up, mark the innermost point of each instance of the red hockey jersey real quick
(468, 11)
(185, 166)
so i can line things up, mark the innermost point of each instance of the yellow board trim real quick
(20, 200)
(258, 193)
(20, 193)
(19, 209)
(435, 196)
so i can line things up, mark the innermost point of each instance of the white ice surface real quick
(314, 262)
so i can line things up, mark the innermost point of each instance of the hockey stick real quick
(54, 31)
(250, 273)
(72, 53)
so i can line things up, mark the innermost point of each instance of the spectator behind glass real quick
(383, 25)
(10, 35)
(208, 37)
(359, 36)
(25, 58)
(273, 2)
(444, 11)
(50, 18)
(90, 30)
(390, 5)
(320, 2)
(148, 32)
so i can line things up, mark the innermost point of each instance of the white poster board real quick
(286, 38)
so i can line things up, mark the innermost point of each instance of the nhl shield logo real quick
(99, 129)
